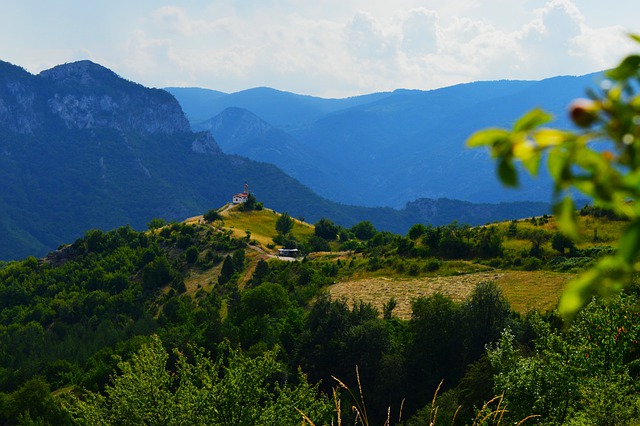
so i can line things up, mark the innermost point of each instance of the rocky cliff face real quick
(19, 109)
(84, 95)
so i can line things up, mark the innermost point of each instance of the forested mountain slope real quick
(391, 148)
(82, 148)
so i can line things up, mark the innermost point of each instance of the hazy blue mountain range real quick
(82, 148)
(387, 148)
(284, 110)
(239, 131)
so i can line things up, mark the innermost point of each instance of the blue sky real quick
(331, 48)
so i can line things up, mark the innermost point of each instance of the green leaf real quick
(578, 293)
(507, 173)
(565, 212)
(627, 68)
(488, 137)
(557, 163)
(531, 120)
(629, 244)
(532, 163)
(549, 137)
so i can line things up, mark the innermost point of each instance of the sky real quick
(327, 48)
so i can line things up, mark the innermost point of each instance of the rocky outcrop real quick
(205, 144)
(19, 112)
(87, 95)
(84, 95)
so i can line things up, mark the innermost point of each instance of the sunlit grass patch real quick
(525, 290)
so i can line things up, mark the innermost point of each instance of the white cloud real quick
(334, 47)
(420, 32)
(174, 19)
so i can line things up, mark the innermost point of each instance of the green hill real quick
(67, 319)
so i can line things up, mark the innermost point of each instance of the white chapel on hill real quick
(242, 197)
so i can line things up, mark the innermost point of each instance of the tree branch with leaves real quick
(601, 159)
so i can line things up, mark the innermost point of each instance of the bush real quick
(192, 254)
(317, 243)
(212, 215)
(432, 265)
(532, 264)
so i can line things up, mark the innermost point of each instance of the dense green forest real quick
(112, 330)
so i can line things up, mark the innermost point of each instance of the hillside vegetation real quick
(83, 325)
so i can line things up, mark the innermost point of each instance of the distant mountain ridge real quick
(239, 131)
(82, 148)
(391, 148)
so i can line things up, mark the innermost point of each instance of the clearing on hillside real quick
(525, 290)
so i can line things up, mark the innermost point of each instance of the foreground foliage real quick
(233, 390)
(601, 160)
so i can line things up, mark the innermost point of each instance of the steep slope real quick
(239, 131)
(82, 148)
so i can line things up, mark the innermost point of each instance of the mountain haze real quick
(239, 131)
(393, 148)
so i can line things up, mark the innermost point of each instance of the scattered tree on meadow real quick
(212, 215)
(284, 224)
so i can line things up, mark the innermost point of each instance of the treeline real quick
(80, 322)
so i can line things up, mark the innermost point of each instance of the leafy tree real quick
(157, 273)
(317, 243)
(192, 254)
(435, 350)
(326, 229)
(489, 242)
(486, 314)
(233, 390)
(262, 315)
(538, 238)
(364, 230)
(586, 375)
(560, 242)
(416, 231)
(608, 176)
(212, 215)
(250, 204)
(238, 259)
(284, 224)
(156, 223)
(32, 403)
(261, 272)
(228, 269)
(388, 307)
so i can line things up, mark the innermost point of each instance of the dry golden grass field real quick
(525, 290)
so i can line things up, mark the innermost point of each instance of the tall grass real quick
(491, 414)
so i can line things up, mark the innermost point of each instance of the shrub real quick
(192, 254)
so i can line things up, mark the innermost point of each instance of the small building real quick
(242, 197)
(283, 252)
